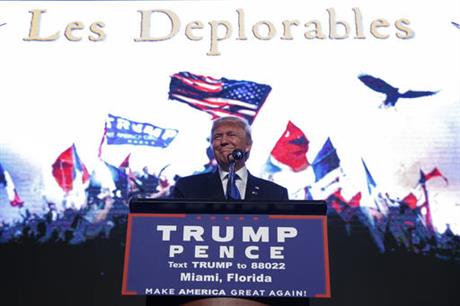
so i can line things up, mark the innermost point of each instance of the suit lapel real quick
(215, 186)
(252, 188)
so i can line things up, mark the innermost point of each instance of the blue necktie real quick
(232, 191)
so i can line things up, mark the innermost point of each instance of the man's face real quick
(227, 137)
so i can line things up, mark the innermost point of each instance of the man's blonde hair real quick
(243, 123)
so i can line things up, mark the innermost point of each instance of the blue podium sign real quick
(231, 255)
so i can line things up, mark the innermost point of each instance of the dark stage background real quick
(91, 273)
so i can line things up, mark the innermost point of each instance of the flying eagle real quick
(392, 93)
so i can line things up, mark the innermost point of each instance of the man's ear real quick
(247, 148)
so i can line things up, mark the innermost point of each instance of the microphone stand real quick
(231, 174)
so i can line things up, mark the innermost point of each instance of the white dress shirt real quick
(241, 182)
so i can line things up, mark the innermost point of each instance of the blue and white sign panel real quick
(227, 255)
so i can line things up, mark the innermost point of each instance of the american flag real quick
(219, 97)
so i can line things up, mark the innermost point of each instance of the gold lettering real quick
(241, 25)
(333, 26)
(96, 28)
(379, 23)
(359, 24)
(271, 30)
(318, 33)
(287, 34)
(34, 32)
(70, 28)
(192, 26)
(401, 25)
(215, 24)
(145, 25)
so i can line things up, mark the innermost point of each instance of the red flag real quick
(339, 203)
(66, 168)
(13, 196)
(16, 200)
(428, 176)
(410, 200)
(125, 162)
(355, 201)
(346, 209)
(291, 149)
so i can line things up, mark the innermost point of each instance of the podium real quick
(236, 251)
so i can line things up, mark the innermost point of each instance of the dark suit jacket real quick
(209, 186)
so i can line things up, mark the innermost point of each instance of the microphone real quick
(237, 154)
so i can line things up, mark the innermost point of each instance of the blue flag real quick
(2, 176)
(325, 161)
(120, 178)
(121, 131)
(370, 180)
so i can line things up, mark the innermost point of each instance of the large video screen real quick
(357, 104)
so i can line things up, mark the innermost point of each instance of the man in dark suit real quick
(229, 134)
